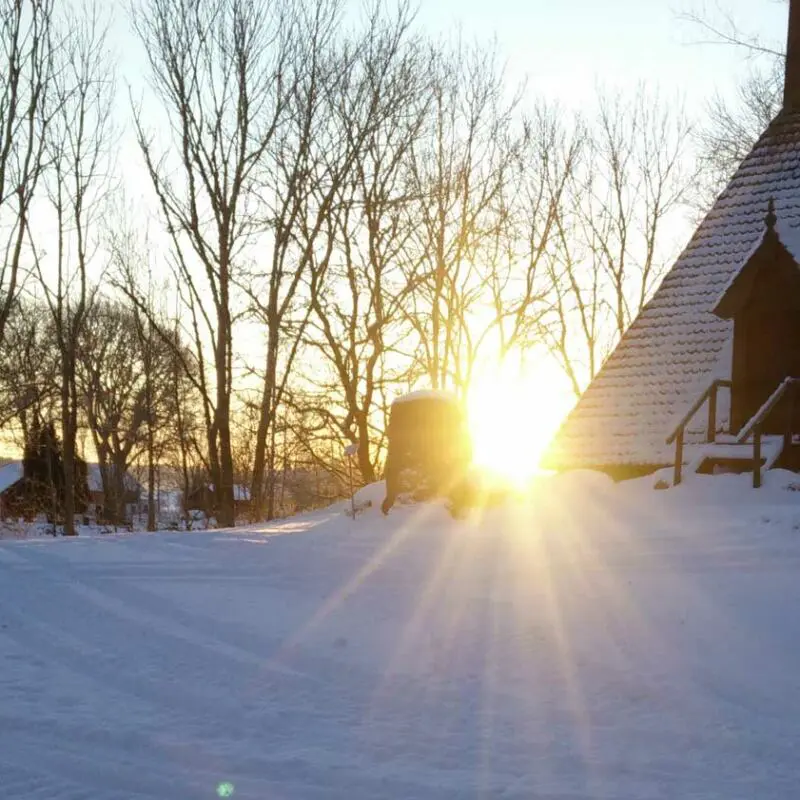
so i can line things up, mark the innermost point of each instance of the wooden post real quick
(352, 494)
(678, 458)
(711, 433)
(757, 457)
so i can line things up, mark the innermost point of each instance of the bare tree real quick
(220, 69)
(611, 251)
(125, 372)
(733, 124)
(358, 284)
(733, 127)
(512, 291)
(78, 147)
(291, 174)
(110, 375)
(28, 368)
(458, 172)
(182, 392)
(157, 360)
(722, 27)
(27, 52)
(185, 437)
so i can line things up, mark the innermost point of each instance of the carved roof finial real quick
(771, 219)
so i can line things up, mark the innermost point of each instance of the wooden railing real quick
(679, 434)
(756, 423)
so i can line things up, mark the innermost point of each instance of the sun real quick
(514, 411)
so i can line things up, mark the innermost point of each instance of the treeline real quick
(341, 211)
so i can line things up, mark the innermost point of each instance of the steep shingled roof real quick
(677, 346)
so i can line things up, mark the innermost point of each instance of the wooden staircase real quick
(749, 451)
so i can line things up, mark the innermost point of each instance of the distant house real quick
(21, 498)
(12, 490)
(204, 498)
(16, 499)
(169, 504)
(97, 498)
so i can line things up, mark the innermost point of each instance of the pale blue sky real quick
(567, 46)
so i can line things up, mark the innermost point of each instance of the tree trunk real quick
(68, 433)
(118, 481)
(224, 488)
(364, 462)
(271, 476)
(107, 486)
(183, 446)
(260, 456)
(265, 421)
(151, 484)
(224, 492)
(151, 467)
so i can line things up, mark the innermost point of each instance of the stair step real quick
(711, 465)
(733, 459)
(745, 450)
(731, 456)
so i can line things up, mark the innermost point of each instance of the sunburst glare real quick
(514, 410)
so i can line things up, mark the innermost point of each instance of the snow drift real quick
(599, 641)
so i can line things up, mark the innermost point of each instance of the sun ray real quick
(421, 515)
(440, 584)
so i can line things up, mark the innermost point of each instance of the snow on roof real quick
(10, 474)
(788, 235)
(744, 261)
(427, 394)
(677, 346)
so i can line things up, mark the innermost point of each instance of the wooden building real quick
(204, 498)
(14, 496)
(100, 506)
(706, 375)
(20, 499)
(763, 303)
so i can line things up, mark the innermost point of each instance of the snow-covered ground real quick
(597, 642)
